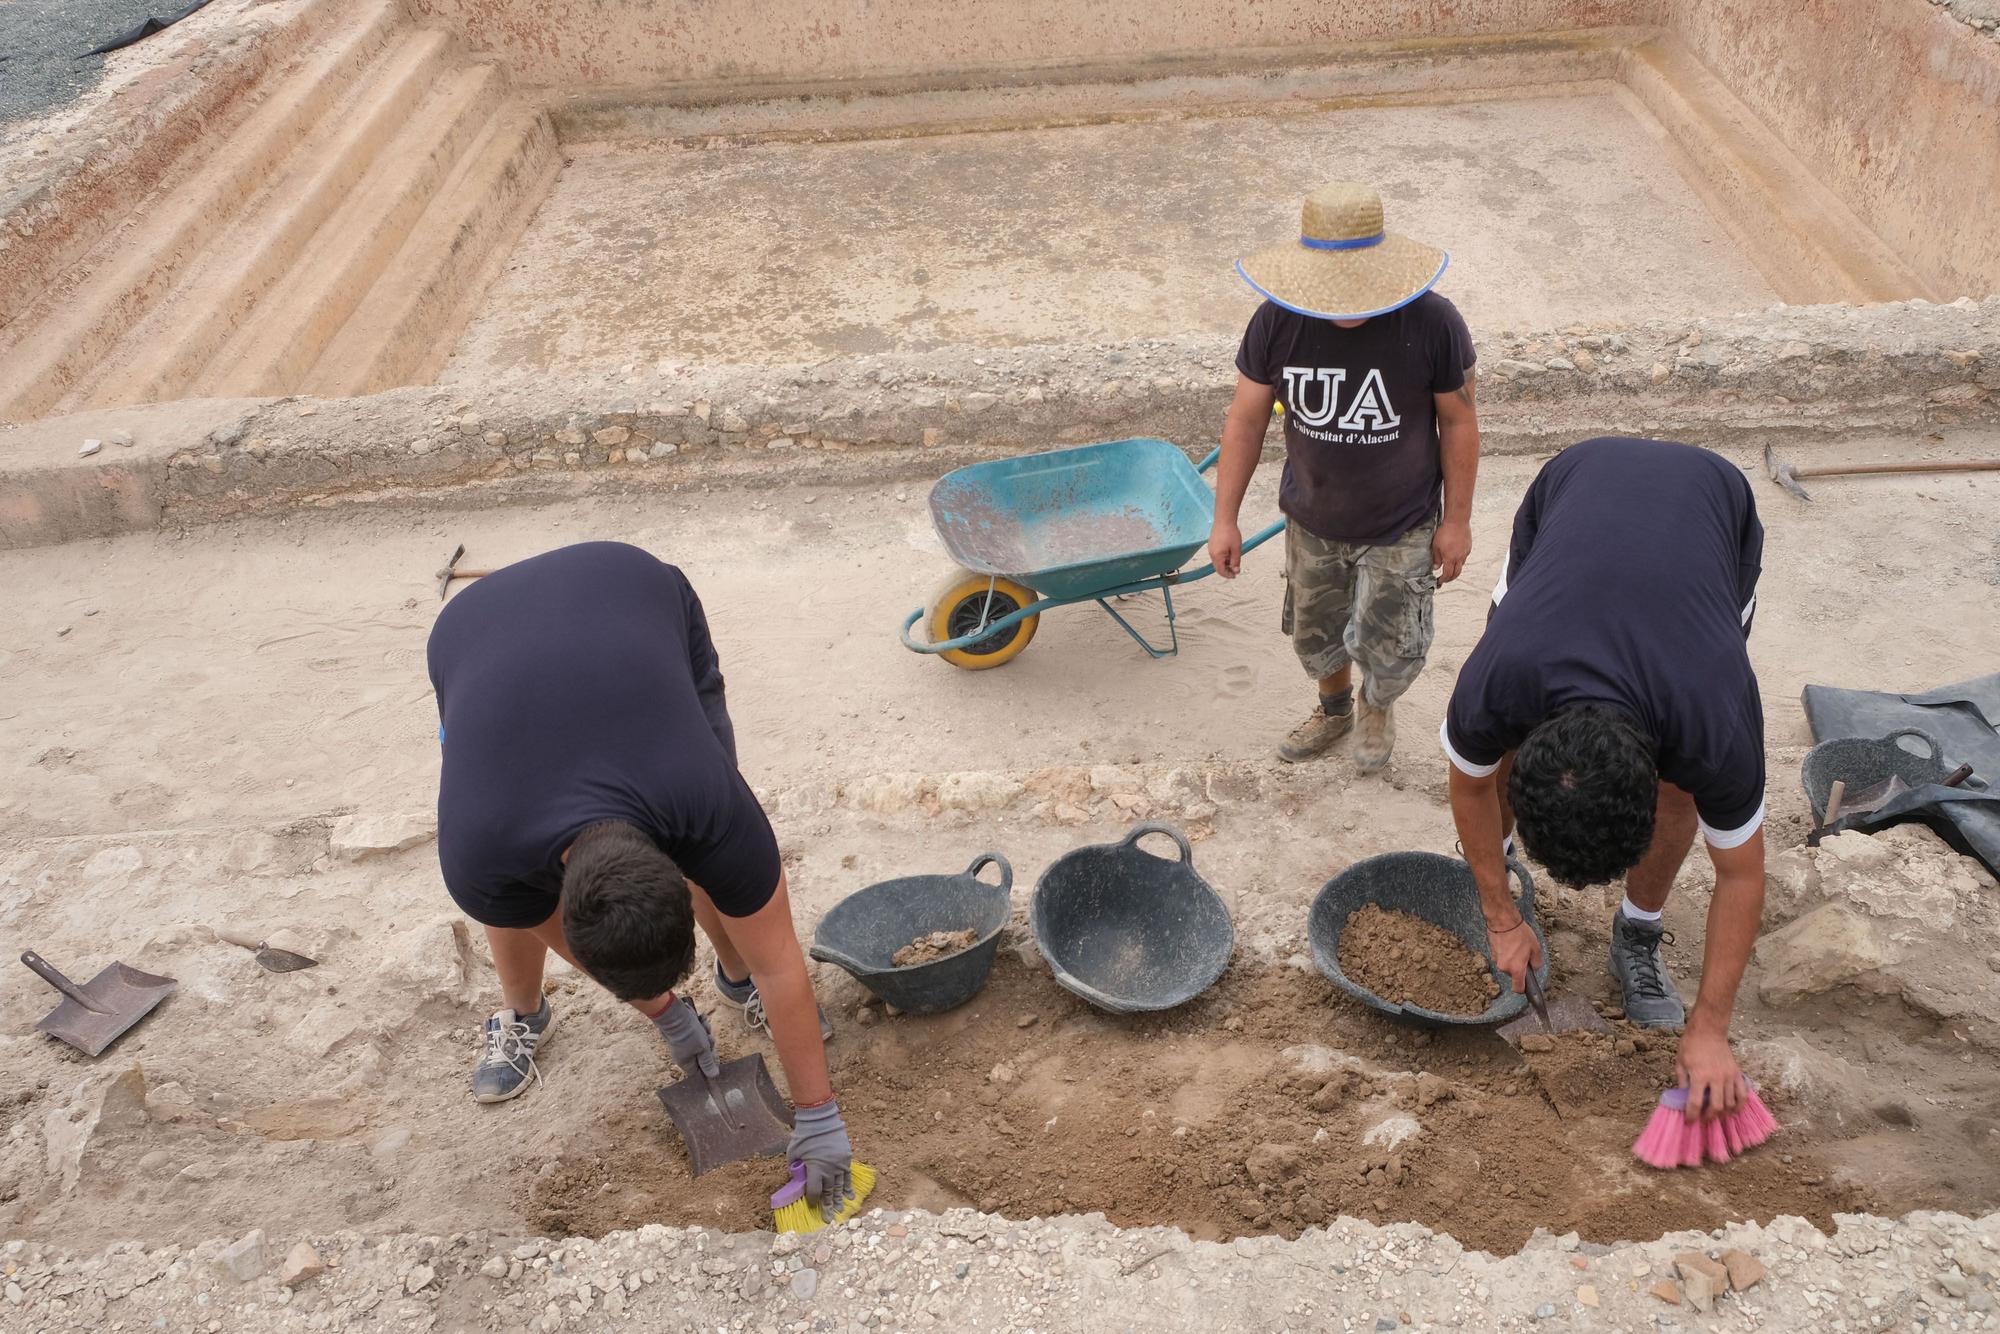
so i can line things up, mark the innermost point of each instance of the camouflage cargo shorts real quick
(1352, 602)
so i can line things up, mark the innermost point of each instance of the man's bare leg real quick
(1651, 998)
(518, 956)
(514, 1034)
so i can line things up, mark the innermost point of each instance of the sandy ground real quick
(231, 726)
(800, 251)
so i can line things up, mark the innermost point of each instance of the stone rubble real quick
(963, 1270)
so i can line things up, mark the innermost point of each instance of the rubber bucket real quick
(1862, 762)
(1438, 889)
(1130, 931)
(864, 930)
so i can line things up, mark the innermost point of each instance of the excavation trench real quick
(1266, 1106)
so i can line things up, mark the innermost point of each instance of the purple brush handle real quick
(793, 1190)
(1677, 1099)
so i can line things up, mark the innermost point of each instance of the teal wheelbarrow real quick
(1049, 530)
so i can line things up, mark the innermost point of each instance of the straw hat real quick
(1344, 266)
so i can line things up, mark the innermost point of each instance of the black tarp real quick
(1963, 718)
(146, 28)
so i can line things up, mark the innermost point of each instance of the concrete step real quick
(404, 330)
(1808, 244)
(162, 354)
(282, 338)
(52, 344)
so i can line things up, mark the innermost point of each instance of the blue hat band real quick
(1358, 243)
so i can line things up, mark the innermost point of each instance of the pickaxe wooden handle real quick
(450, 571)
(1787, 475)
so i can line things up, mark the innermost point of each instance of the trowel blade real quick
(738, 1114)
(1566, 1014)
(283, 961)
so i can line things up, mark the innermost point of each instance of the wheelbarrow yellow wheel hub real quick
(968, 600)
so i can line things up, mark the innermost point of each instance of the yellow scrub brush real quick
(791, 1211)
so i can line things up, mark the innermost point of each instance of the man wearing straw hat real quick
(1374, 372)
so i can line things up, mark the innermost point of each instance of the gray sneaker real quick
(507, 1066)
(1651, 999)
(743, 998)
(1315, 736)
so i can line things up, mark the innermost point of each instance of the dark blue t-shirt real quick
(581, 686)
(1630, 580)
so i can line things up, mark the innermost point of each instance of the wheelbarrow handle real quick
(47, 972)
(1155, 827)
(1208, 459)
(986, 859)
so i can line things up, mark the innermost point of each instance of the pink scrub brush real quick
(1671, 1140)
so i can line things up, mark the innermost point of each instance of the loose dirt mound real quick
(937, 945)
(1269, 1104)
(1413, 962)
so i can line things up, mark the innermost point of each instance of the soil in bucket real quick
(1413, 962)
(933, 946)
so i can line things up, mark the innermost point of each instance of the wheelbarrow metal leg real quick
(1173, 633)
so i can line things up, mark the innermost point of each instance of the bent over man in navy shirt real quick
(1610, 709)
(590, 804)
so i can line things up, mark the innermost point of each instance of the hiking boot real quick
(743, 998)
(507, 1066)
(1315, 736)
(1376, 736)
(1651, 999)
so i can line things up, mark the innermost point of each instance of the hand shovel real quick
(738, 1114)
(1565, 1014)
(273, 960)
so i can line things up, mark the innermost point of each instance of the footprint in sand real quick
(1238, 680)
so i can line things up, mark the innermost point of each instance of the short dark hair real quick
(1584, 789)
(626, 912)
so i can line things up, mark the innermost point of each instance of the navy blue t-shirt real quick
(575, 687)
(1630, 580)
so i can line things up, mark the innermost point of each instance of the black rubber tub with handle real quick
(864, 930)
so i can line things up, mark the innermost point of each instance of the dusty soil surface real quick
(1413, 962)
(929, 949)
(699, 254)
(1264, 1106)
(237, 731)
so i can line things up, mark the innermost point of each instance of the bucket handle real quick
(986, 859)
(825, 954)
(1895, 739)
(1140, 831)
(1520, 873)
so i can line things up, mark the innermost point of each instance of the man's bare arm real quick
(1242, 447)
(768, 945)
(1458, 456)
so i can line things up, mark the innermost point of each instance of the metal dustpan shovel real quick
(1564, 1014)
(92, 1016)
(736, 1115)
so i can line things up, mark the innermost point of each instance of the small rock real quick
(418, 1279)
(495, 1267)
(1701, 1290)
(14, 1294)
(1587, 1296)
(62, 631)
(301, 1263)
(1029, 1020)
(243, 1260)
(805, 1283)
(1001, 1073)
(1269, 1163)
(1694, 1262)
(864, 1016)
(1384, 1324)
(1667, 1291)
(1431, 1089)
(890, 1010)
(1538, 1042)
(1625, 1047)
(1328, 1096)
(122, 439)
(1746, 1271)
(1547, 1310)
(1659, 373)
(1954, 1283)
(89, 447)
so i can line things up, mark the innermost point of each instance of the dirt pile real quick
(1270, 1104)
(930, 948)
(1413, 962)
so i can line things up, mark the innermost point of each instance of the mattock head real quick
(445, 575)
(1781, 473)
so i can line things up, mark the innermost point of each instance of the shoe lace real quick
(1642, 954)
(753, 1013)
(509, 1045)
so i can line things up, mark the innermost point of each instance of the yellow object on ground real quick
(802, 1216)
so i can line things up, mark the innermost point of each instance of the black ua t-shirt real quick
(1631, 580)
(1361, 434)
(581, 686)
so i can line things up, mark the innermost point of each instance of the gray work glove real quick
(688, 1038)
(819, 1140)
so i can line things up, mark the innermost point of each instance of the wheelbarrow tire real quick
(955, 609)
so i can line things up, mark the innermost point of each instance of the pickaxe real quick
(1787, 476)
(450, 571)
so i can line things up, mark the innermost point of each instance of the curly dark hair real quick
(1583, 789)
(626, 912)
